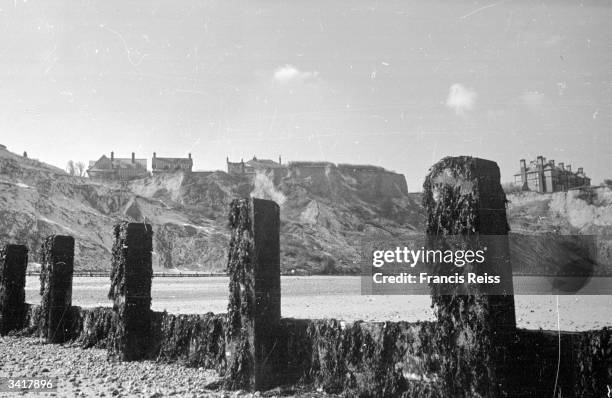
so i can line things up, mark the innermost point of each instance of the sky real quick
(398, 84)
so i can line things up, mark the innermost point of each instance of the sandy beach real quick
(340, 297)
(84, 373)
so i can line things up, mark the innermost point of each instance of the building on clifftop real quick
(546, 176)
(118, 169)
(170, 165)
(253, 166)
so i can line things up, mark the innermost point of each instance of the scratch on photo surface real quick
(559, 352)
(51, 59)
(481, 9)
(196, 142)
(127, 49)
(188, 91)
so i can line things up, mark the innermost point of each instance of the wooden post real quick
(466, 210)
(130, 291)
(13, 264)
(57, 253)
(254, 307)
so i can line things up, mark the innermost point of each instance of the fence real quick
(473, 349)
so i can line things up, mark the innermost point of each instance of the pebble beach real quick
(88, 373)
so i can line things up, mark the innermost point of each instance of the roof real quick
(126, 163)
(158, 163)
(174, 159)
(531, 168)
(104, 164)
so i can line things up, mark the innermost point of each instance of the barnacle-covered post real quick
(13, 264)
(130, 291)
(466, 210)
(57, 266)
(254, 302)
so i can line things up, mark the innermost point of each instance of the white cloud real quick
(289, 73)
(460, 98)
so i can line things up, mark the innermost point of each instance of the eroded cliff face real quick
(563, 229)
(331, 215)
(326, 212)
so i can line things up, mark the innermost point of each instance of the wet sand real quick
(340, 297)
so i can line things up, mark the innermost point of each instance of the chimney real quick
(525, 186)
(154, 155)
(133, 157)
(569, 168)
(561, 165)
(112, 158)
(580, 170)
(540, 168)
(189, 155)
(279, 160)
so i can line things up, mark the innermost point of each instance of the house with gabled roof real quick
(120, 169)
(171, 165)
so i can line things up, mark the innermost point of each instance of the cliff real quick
(331, 215)
(567, 232)
(327, 211)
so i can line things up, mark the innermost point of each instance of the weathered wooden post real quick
(254, 304)
(466, 210)
(130, 291)
(57, 254)
(13, 264)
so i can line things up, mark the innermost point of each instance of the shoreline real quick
(339, 298)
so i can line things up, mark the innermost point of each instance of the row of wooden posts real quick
(254, 302)
(462, 196)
